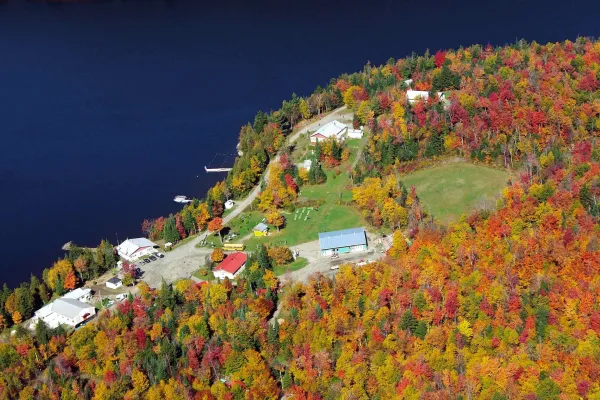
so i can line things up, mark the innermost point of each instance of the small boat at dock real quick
(181, 199)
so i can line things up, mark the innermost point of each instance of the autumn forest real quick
(503, 303)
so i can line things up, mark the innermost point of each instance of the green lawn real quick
(302, 149)
(299, 263)
(449, 190)
(330, 216)
(243, 224)
(331, 191)
(208, 277)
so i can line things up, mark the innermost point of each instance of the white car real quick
(335, 267)
(121, 296)
(159, 255)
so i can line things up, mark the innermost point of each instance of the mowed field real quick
(449, 190)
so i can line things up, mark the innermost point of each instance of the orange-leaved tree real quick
(216, 225)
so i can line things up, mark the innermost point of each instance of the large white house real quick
(333, 129)
(64, 311)
(413, 95)
(132, 249)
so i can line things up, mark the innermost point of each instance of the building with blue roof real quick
(344, 241)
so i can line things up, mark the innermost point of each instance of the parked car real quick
(335, 267)
(335, 255)
(142, 262)
(147, 260)
(121, 296)
(159, 255)
(152, 258)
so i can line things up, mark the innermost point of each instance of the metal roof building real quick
(344, 241)
(65, 311)
(232, 265)
(132, 249)
(334, 129)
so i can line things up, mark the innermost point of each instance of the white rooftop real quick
(70, 308)
(130, 246)
(333, 128)
(412, 95)
(78, 293)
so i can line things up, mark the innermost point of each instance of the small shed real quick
(261, 230)
(114, 283)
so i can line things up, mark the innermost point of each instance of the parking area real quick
(177, 264)
(318, 263)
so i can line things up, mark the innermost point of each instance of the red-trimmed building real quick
(333, 129)
(231, 266)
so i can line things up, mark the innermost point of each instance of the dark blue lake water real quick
(109, 110)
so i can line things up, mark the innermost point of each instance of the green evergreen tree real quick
(420, 301)
(318, 311)
(188, 222)
(317, 153)
(25, 302)
(263, 258)
(170, 232)
(42, 332)
(408, 322)
(286, 382)
(435, 146)
(273, 334)
(587, 200)
(109, 255)
(260, 120)
(547, 389)
(541, 320)
(59, 288)
(166, 297)
(421, 330)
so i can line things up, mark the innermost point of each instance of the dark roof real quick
(343, 238)
(114, 280)
(232, 263)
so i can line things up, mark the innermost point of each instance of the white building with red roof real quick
(132, 249)
(333, 129)
(231, 266)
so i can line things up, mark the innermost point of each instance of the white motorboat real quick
(181, 199)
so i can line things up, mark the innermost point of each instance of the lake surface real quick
(109, 110)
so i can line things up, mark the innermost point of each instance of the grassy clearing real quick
(206, 277)
(299, 263)
(329, 217)
(450, 190)
(302, 149)
(243, 224)
(336, 188)
(304, 224)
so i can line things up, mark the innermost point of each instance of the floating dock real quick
(217, 169)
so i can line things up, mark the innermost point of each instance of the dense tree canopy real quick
(502, 304)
